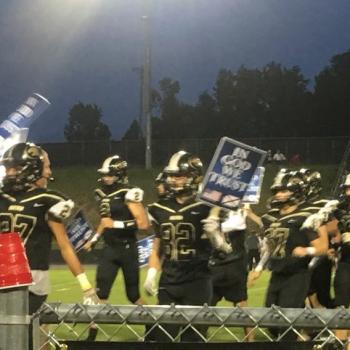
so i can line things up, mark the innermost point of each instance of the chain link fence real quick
(62, 323)
(57, 325)
(311, 150)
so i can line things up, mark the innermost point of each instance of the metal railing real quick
(74, 320)
(56, 324)
(14, 319)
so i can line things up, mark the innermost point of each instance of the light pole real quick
(141, 132)
(146, 91)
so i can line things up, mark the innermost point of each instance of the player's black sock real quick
(92, 334)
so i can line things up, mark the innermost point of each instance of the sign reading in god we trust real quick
(79, 231)
(230, 173)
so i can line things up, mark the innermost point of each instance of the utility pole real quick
(146, 91)
(139, 71)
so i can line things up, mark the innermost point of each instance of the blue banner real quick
(79, 231)
(144, 247)
(24, 115)
(230, 172)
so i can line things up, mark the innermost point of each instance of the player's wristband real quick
(311, 251)
(83, 281)
(124, 224)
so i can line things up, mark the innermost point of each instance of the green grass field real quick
(65, 289)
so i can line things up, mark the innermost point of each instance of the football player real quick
(229, 271)
(289, 247)
(321, 267)
(342, 274)
(122, 215)
(182, 245)
(37, 214)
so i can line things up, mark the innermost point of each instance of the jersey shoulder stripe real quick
(121, 190)
(50, 196)
(299, 215)
(191, 206)
(160, 206)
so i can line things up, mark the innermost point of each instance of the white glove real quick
(235, 222)
(211, 227)
(345, 237)
(211, 224)
(134, 195)
(150, 282)
(90, 297)
(62, 210)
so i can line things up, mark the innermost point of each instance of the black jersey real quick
(112, 205)
(28, 213)
(343, 216)
(237, 240)
(185, 248)
(283, 233)
(269, 217)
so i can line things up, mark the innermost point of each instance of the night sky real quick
(85, 50)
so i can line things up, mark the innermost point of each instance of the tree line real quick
(273, 101)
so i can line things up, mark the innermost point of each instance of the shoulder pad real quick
(61, 210)
(134, 195)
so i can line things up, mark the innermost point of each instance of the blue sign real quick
(230, 172)
(79, 231)
(252, 195)
(144, 247)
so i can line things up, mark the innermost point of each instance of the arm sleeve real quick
(105, 208)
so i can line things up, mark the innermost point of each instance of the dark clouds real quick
(84, 50)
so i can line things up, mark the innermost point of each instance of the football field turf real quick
(65, 289)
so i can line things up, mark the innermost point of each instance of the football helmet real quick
(184, 164)
(114, 166)
(291, 181)
(313, 183)
(27, 159)
(346, 182)
(344, 197)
